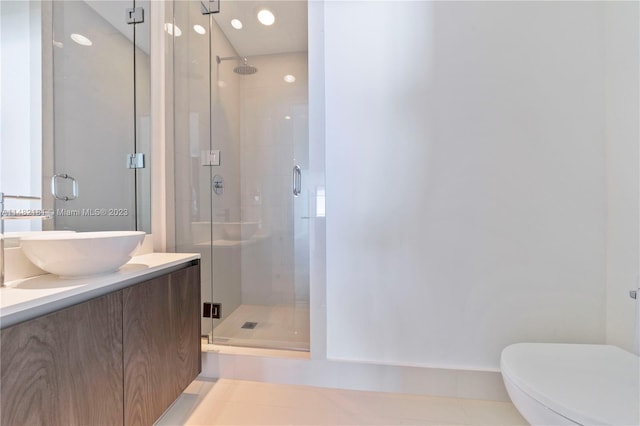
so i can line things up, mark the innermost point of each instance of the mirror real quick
(75, 98)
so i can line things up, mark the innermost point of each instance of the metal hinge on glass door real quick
(209, 7)
(135, 161)
(135, 15)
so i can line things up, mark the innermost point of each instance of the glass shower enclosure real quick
(241, 161)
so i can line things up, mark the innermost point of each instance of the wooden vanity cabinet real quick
(121, 358)
(64, 368)
(161, 343)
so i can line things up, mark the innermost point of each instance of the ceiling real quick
(114, 13)
(288, 34)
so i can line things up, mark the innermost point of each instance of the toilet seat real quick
(586, 384)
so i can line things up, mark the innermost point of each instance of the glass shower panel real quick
(226, 244)
(94, 121)
(192, 139)
(304, 210)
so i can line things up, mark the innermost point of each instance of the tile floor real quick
(236, 402)
(280, 327)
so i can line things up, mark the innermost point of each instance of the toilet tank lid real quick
(589, 384)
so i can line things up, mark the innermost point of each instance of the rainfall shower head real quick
(245, 69)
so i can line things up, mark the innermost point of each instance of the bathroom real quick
(480, 161)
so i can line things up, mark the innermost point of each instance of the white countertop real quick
(28, 298)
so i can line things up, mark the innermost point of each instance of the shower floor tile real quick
(277, 327)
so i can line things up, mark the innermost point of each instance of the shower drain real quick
(249, 325)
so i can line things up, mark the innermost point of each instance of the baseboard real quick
(270, 367)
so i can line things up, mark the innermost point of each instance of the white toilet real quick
(568, 384)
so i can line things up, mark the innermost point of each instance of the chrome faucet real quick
(3, 217)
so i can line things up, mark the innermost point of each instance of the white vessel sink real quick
(82, 253)
(12, 239)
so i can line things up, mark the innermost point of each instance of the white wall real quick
(622, 131)
(466, 189)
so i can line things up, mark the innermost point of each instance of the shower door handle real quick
(297, 181)
(54, 187)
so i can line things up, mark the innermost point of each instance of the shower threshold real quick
(223, 341)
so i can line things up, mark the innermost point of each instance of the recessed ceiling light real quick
(172, 29)
(58, 44)
(236, 23)
(289, 78)
(266, 17)
(287, 117)
(81, 40)
(199, 29)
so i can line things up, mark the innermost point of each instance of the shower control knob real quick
(217, 184)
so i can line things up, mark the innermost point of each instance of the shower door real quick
(101, 115)
(260, 126)
(270, 289)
